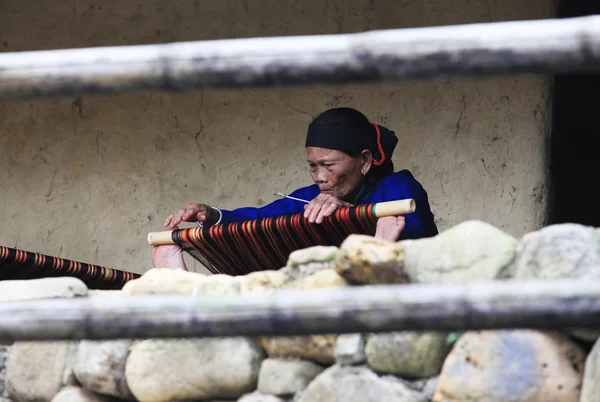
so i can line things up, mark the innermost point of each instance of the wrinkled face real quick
(335, 172)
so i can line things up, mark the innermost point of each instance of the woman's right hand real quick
(193, 213)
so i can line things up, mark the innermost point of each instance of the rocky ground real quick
(487, 366)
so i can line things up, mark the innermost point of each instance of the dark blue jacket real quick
(396, 186)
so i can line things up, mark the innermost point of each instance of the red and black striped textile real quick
(19, 264)
(265, 244)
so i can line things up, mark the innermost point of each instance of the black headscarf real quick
(349, 131)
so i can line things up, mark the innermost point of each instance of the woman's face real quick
(335, 172)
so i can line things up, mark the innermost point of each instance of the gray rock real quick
(36, 371)
(407, 354)
(100, 367)
(260, 397)
(4, 353)
(356, 384)
(45, 288)
(76, 394)
(193, 369)
(349, 349)
(512, 366)
(470, 251)
(429, 388)
(425, 386)
(558, 252)
(590, 391)
(286, 376)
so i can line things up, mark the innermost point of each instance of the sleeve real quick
(420, 223)
(280, 207)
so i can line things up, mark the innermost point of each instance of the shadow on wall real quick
(575, 141)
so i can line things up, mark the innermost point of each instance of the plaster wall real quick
(88, 178)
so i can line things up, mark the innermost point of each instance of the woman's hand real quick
(390, 227)
(321, 206)
(193, 213)
(168, 256)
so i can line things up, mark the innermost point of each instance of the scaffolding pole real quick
(558, 305)
(540, 46)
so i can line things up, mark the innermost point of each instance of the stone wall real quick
(87, 178)
(410, 366)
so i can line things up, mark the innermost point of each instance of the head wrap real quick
(380, 141)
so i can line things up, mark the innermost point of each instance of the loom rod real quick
(554, 304)
(381, 209)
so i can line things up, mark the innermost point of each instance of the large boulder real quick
(46, 288)
(357, 384)
(100, 367)
(558, 252)
(470, 251)
(286, 376)
(512, 366)
(407, 354)
(36, 371)
(193, 369)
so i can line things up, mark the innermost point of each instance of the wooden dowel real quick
(160, 238)
(560, 305)
(393, 208)
(388, 208)
(541, 46)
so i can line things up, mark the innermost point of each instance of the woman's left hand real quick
(321, 206)
(390, 227)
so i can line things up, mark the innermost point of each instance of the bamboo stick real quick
(485, 305)
(541, 46)
(388, 208)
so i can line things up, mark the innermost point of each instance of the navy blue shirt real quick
(396, 186)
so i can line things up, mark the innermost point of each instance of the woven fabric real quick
(19, 264)
(265, 244)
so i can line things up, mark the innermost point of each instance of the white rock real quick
(76, 394)
(286, 376)
(36, 371)
(46, 288)
(100, 367)
(356, 384)
(193, 369)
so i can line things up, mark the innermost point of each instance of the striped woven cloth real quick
(265, 244)
(20, 264)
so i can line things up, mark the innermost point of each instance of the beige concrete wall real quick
(88, 178)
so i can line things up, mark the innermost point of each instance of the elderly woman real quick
(349, 160)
